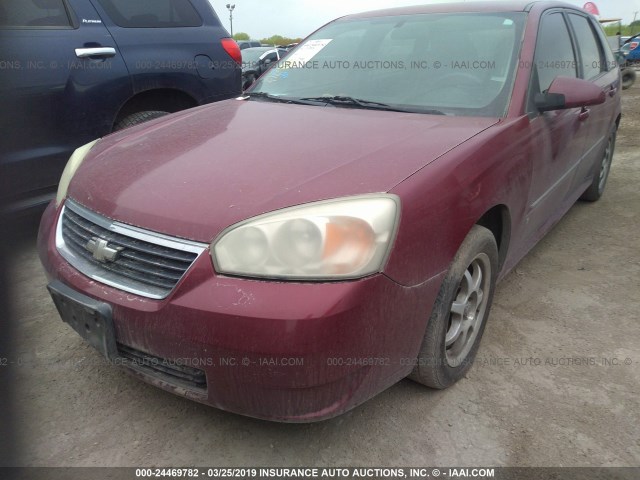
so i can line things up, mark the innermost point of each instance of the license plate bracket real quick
(91, 319)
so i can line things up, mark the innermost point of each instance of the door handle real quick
(95, 52)
(613, 91)
(584, 114)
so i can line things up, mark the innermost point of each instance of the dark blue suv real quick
(72, 71)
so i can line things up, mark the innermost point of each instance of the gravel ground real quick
(557, 381)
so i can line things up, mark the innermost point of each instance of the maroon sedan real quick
(292, 276)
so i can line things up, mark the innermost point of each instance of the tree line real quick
(625, 30)
(273, 40)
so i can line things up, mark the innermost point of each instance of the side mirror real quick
(565, 93)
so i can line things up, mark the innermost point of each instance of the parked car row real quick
(244, 44)
(295, 283)
(77, 70)
(288, 46)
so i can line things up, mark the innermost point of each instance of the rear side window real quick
(33, 13)
(609, 57)
(592, 62)
(554, 52)
(152, 13)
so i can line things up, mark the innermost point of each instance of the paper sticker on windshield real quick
(303, 54)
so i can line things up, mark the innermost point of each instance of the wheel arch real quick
(498, 221)
(163, 99)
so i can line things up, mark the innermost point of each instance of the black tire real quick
(435, 365)
(601, 174)
(251, 79)
(628, 77)
(137, 118)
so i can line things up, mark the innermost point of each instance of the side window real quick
(33, 13)
(593, 63)
(272, 56)
(609, 57)
(152, 13)
(554, 53)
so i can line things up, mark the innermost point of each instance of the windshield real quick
(456, 64)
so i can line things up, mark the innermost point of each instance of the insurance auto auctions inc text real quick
(376, 473)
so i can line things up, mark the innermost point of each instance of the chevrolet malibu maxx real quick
(294, 282)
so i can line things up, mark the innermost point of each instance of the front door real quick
(559, 137)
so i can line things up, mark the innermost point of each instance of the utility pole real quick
(231, 8)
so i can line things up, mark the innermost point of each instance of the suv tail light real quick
(231, 47)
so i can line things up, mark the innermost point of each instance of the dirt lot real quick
(557, 381)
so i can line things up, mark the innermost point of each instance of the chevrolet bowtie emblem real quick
(102, 251)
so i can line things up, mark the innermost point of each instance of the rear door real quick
(173, 44)
(61, 77)
(596, 65)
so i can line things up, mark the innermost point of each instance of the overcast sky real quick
(298, 18)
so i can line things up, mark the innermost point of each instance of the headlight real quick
(70, 170)
(335, 239)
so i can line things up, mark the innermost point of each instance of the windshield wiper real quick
(343, 101)
(281, 99)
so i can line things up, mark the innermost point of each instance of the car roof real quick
(473, 7)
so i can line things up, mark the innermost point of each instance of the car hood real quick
(194, 173)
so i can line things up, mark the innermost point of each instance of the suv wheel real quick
(137, 118)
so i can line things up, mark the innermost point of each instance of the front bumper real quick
(296, 352)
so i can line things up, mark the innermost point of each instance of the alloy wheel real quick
(468, 310)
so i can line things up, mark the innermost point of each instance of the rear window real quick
(152, 13)
(33, 13)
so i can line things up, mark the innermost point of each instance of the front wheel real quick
(460, 312)
(596, 189)
(628, 77)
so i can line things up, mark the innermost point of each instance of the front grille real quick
(143, 262)
(172, 372)
(140, 261)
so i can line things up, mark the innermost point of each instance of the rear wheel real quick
(460, 312)
(138, 118)
(596, 189)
